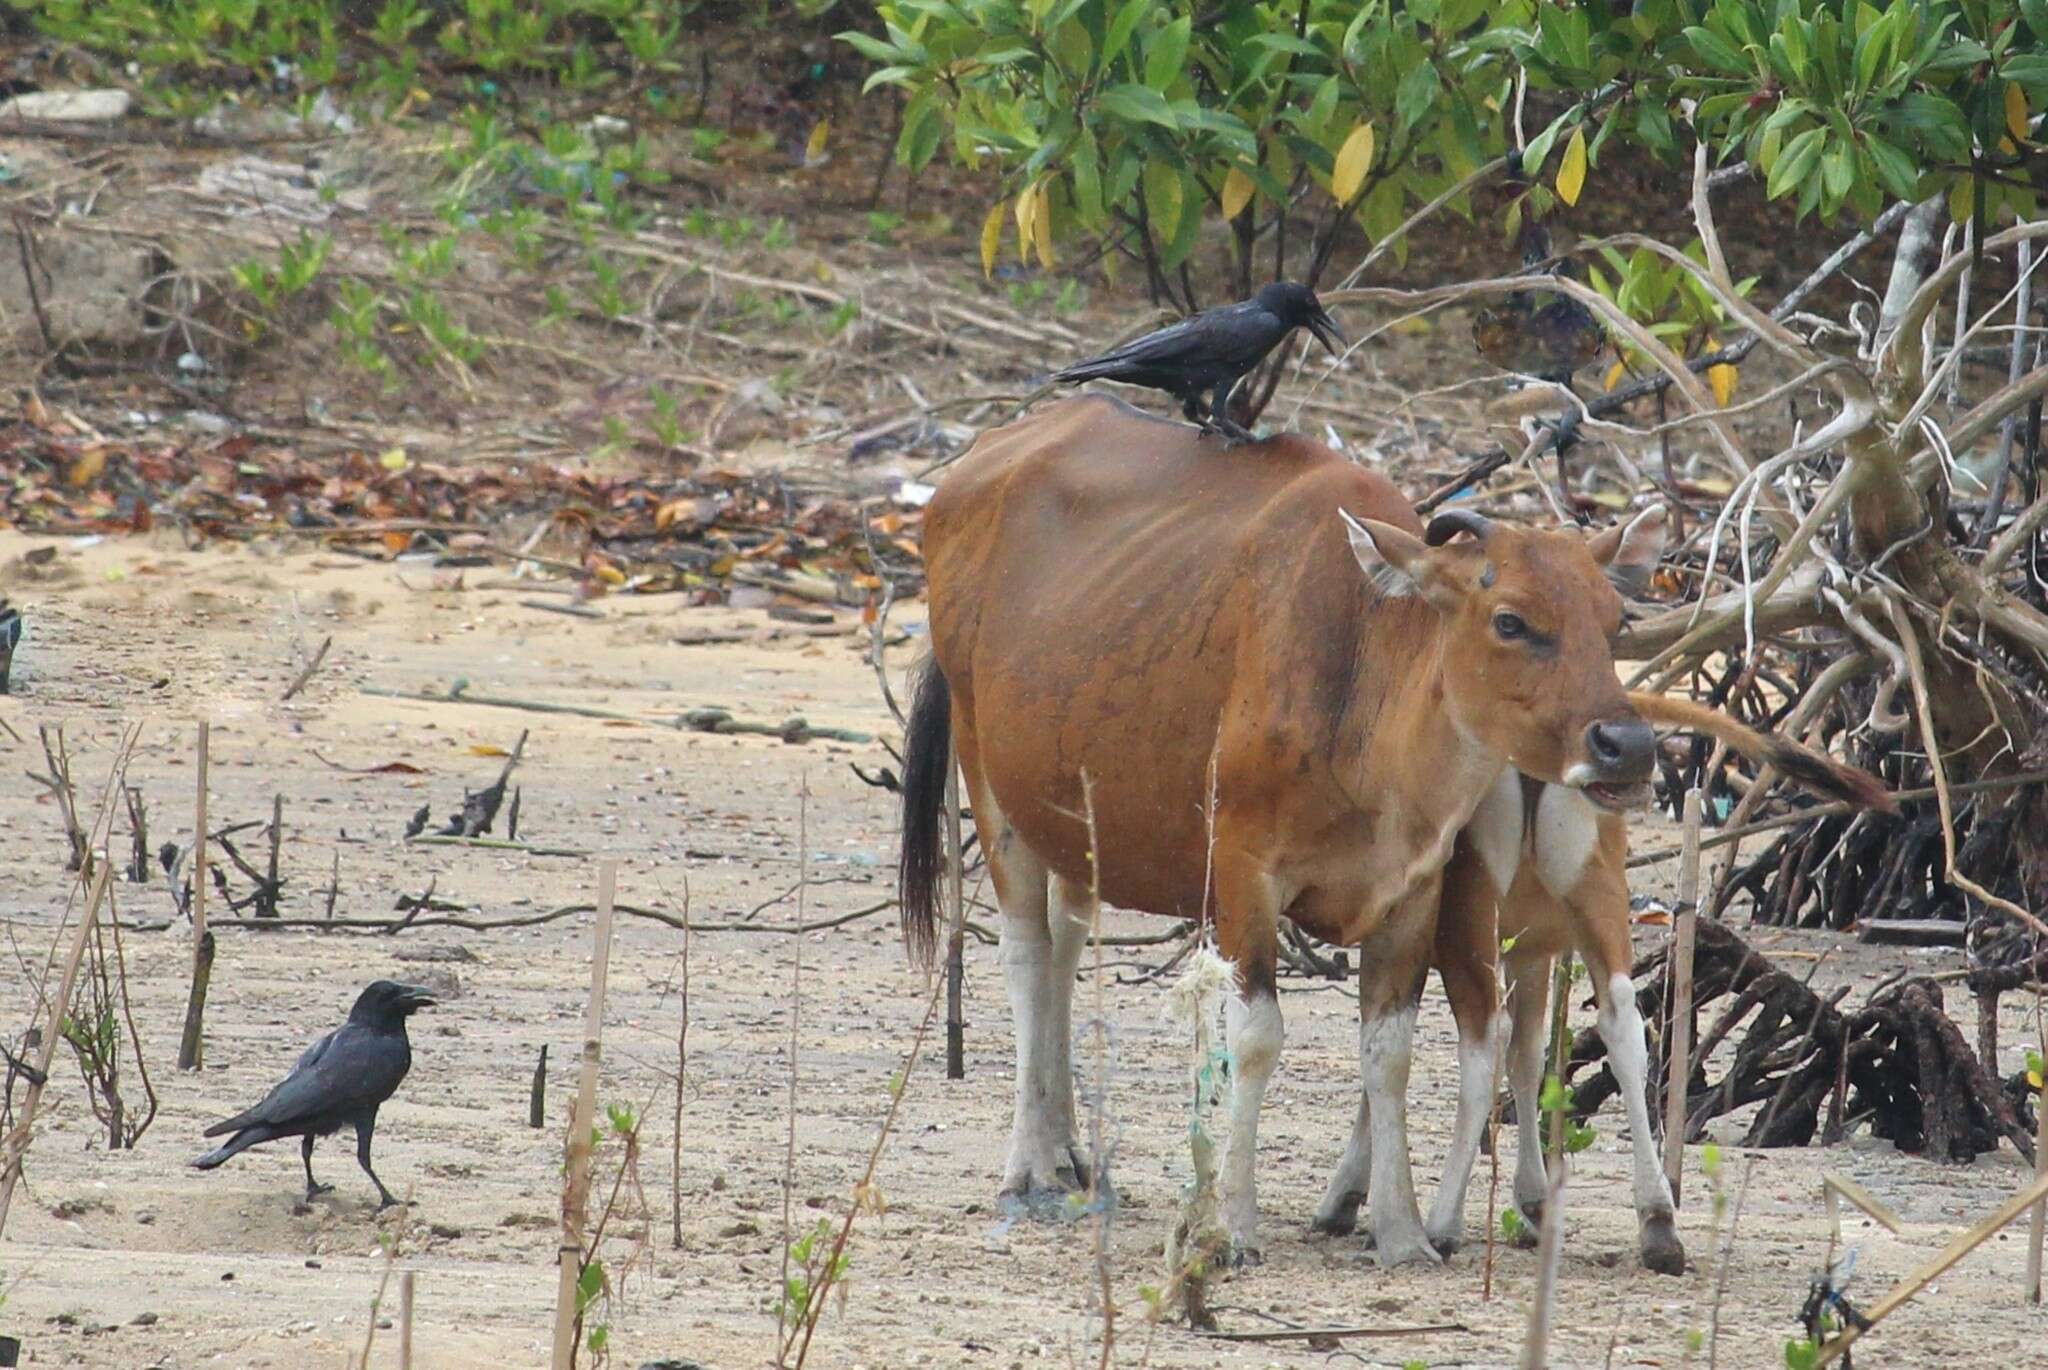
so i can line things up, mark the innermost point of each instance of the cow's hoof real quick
(1662, 1251)
(1406, 1248)
(1340, 1220)
(1447, 1243)
(1245, 1254)
(1530, 1229)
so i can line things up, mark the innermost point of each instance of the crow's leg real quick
(1564, 430)
(1219, 416)
(364, 1131)
(314, 1189)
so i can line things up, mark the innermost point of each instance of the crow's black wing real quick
(1240, 332)
(348, 1070)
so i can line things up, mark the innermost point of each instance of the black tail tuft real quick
(927, 757)
(1826, 776)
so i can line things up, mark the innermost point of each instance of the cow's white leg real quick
(1628, 1056)
(1337, 1213)
(1040, 1163)
(1528, 998)
(1479, 1051)
(1254, 1033)
(1071, 916)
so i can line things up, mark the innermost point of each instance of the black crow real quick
(1542, 333)
(1537, 332)
(343, 1078)
(1210, 351)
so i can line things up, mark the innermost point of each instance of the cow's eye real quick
(1510, 626)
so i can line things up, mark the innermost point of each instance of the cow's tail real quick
(927, 757)
(1816, 771)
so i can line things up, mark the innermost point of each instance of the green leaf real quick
(1795, 162)
(1086, 164)
(1074, 49)
(923, 126)
(2036, 12)
(1417, 92)
(1121, 28)
(872, 48)
(1163, 199)
(1136, 103)
(1717, 52)
(1166, 53)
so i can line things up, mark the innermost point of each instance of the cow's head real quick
(1528, 615)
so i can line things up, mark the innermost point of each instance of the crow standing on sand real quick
(1212, 350)
(343, 1078)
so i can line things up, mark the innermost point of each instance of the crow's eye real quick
(1509, 626)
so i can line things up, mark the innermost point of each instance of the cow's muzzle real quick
(1621, 756)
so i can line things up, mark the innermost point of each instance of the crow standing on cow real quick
(343, 1078)
(1211, 351)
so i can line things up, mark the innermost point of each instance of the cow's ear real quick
(1397, 562)
(1630, 552)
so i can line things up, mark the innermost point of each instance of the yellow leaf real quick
(1571, 172)
(86, 469)
(393, 460)
(1041, 226)
(814, 149)
(1962, 199)
(2034, 1078)
(1614, 375)
(1722, 379)
(1027, 205)
(1238, 190)
(2016, 112)
(611, 575)
(991, 238)
(487, 749)
(1354, 159)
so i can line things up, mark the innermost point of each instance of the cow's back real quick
(1106, 587)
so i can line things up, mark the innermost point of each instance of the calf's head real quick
(1527, 617)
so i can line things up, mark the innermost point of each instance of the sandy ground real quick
(132, 1259)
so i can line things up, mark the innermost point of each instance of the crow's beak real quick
(416, 997)
(1325, 328)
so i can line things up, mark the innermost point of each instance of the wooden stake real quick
(1678, 976)
(16, 1147)
(576, 1184)
(1962, 1246)
(192, 1046)
(537, 1097)
(956, 1023)
(276, 842)
(405, 1321)
(1549, 1250)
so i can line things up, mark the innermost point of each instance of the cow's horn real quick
(1451, 522)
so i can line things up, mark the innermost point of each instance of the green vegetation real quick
(1126, 118)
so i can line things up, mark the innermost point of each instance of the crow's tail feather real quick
(241, 1142)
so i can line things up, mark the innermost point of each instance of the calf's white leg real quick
(1628, 1056)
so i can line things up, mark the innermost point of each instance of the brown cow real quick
(1118, 597)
